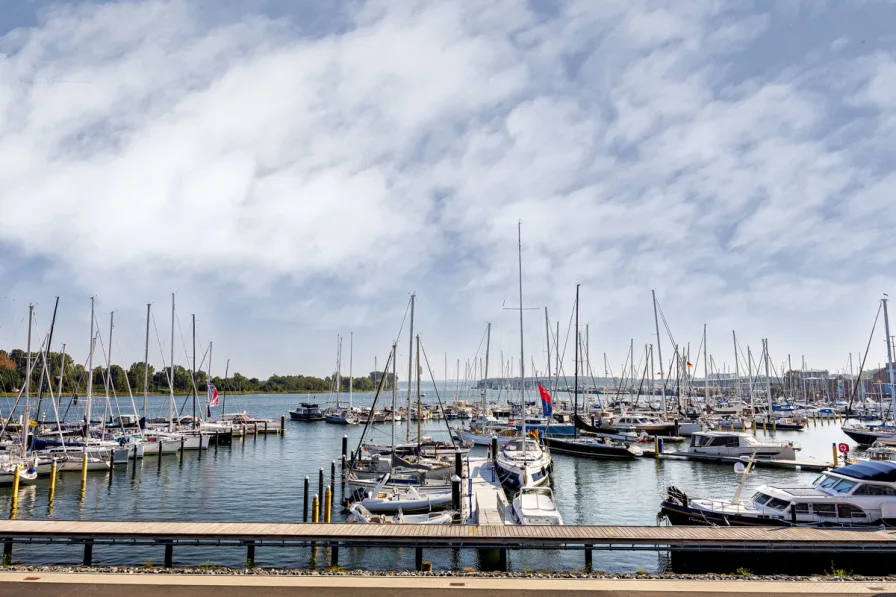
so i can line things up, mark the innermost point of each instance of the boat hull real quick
(586, 449)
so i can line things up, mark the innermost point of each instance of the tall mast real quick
(768, 379)
(488, 341)
(193, 378)
(89, 377)
(351, 379)
(659, 347)
(575, 396)
(705, 369)
(394, 391)
(547, 337)
(419, 405)
(653, 379)
(338, 366)
(208, 384)
(171, 377)
(108, 375)
(410, 367)
(750, 377)
(736, 367)
(61, 372)
(890, 371)
(557, 358)
(26, 418)
(519, 235)
(146, 362)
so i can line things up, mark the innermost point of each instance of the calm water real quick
(261, 480)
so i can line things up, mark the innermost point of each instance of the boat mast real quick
(705, 369)
(61, 372)
(410, 366)
(519, 235)
(146, 363)
(338, 367)
(736, 368)
(89, 377)
(26, 417)
(768, 379)
(575, 396)
(208, 385)
(193, 379)
(890, 372)
(171, 377)
(419, 405)
(488, 341)
(351, 380)
(659, 348)
(547, 337)
(394, 392)
(108, 407)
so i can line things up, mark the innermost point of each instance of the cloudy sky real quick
(295, 169)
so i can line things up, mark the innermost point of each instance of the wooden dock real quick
(782, 543)
(487, 502)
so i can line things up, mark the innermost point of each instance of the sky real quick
(294, 170)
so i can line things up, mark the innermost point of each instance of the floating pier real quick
(486, 503)
(806, 465)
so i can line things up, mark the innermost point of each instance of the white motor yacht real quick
(733, 444)
(522, 460)
(536, 506)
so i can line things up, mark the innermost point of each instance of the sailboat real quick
(337, 415)
(523, 461)
(598, 446)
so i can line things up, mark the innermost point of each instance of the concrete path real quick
(181, 585)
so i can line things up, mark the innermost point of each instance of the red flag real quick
(545, 396)
(212, 395)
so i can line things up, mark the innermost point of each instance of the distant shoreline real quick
(202, 394)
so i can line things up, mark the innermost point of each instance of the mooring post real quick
(333, 475)
(250, 554)
(588, 558)
(83, 471)
(169, 554)
(256, 431)
(53, 470)
(217, 439)
(305, 501)
(15, 489)
(459, 464)
(344, 448)
(88, 552)
(315, 506)
(182, 449)
(320, 492)
(834, 453)
(7, 552)
(328, 504)
(334, 554)
(418, 559)
(677, 428)
(282, 424)
(265, 429)
(494, 449)
(455, 497)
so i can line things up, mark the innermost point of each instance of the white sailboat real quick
(523, 461)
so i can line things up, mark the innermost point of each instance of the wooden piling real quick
(15, 487)
(315, 508)
(282, 424)
(305, 500)
(656, 447)
(328, 504)
(53, 469)
(83, 471)
(834, 452)
(320, 492)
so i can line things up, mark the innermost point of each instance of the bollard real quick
(660, 445)
(305, 500)
(676, 427)
(282, 424)
(83, 471)
(15, 487)
(315, 507)
(342, 477)
(494, 449)
(328, 504)
(344, 449)
(656, 446)
(333, 475)
(182, 449)
(455, 497)
(834, 452)
(459, 464)
(320, 486)
(53, 468)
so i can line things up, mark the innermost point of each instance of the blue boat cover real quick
(874, 470)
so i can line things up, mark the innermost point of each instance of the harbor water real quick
(260, 479)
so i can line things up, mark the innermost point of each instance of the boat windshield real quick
(827, 482)
(844, 486)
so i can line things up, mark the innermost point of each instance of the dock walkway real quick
(487, 501)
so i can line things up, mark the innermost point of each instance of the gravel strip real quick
(221, 570)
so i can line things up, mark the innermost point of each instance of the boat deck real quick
(806, 465)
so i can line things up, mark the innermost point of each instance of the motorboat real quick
(856, 495)
(592, 447)
(307, 412)
(723, 444)
(536, 506)
(867, 435)
(642, 423)
(521, 460)
(341, 416)
(383, 500)
(361, 515)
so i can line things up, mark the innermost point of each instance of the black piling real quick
(676, 428)
(494, 449)
(320, 484)
(344, 449)
(250, 554)
(88, 552)
(169, 555)
(282, 424)
(459, 464)
(455, 497)
(588, 558)
(7, 552)
(334, 555)
(217, 440)
(333, 478)
(307, 491)
(418, 559)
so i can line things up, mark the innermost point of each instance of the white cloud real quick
(324, 175)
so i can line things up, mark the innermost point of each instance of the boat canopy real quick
(875, 470)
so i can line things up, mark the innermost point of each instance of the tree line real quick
(74, 378)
